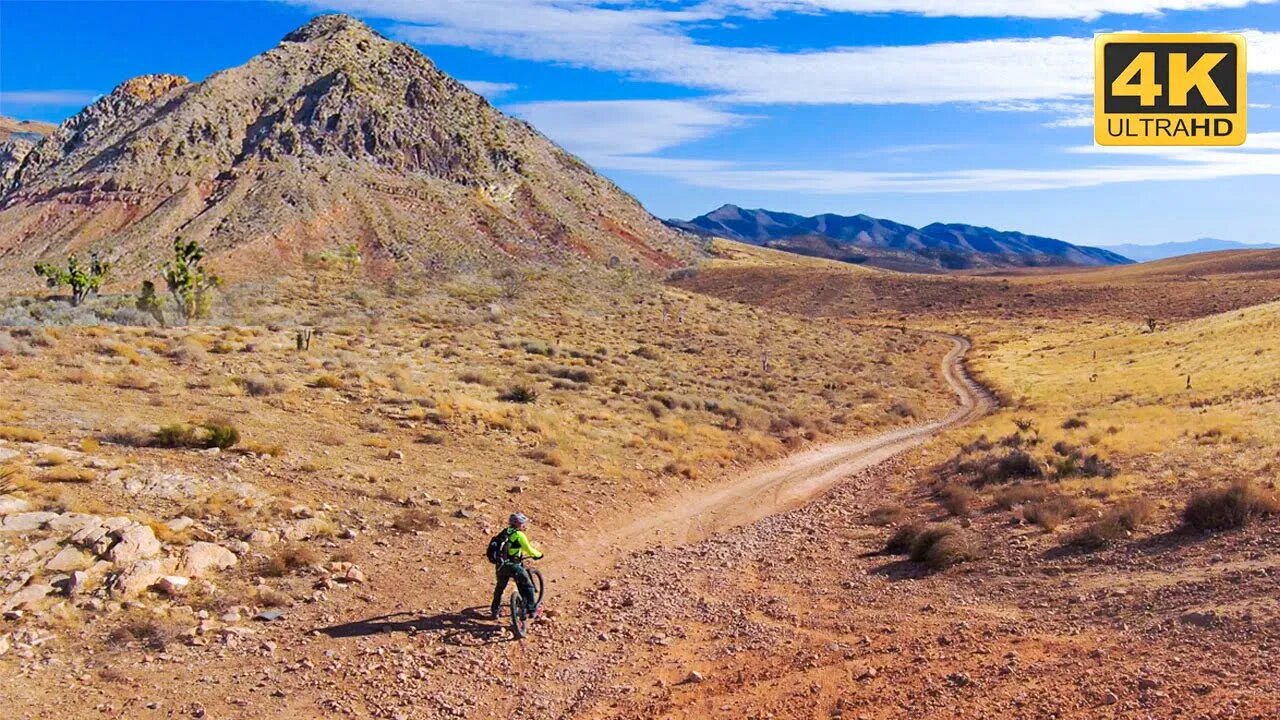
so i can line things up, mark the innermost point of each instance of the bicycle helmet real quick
(518, 519)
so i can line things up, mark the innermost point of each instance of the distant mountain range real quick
(1147, 253)
(884, 243)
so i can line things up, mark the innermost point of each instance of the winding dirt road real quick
(775, 488)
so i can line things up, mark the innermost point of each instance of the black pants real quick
(506, 572)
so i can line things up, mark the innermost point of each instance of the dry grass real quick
(1117, 523)
(1230, 507)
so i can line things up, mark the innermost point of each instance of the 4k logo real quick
(1169, 89)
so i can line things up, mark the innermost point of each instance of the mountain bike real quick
(520, 615)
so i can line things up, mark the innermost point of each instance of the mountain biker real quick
(512, 566)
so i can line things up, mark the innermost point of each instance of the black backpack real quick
(498, 546)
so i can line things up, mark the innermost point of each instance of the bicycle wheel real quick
(519, 616)
(536, 578)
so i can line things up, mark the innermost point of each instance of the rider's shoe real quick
(537, 613)
(493, 613)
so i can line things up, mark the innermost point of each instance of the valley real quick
(301, 335)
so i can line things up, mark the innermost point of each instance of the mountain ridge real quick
(886, 243)
(1162, 251)
(335, 135)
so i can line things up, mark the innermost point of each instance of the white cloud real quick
(1041, 9)
(1261, 157)
(598, 130)
(47, 98)
(489, 89)
(651, 42)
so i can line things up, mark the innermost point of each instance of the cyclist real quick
(512, 566)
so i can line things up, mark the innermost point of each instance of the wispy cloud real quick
(600, 130)
(46, 98)
(489, 89)
(1260, 158)
(652, 42)
(1039, 9)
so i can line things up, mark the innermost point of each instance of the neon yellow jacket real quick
(518, 547)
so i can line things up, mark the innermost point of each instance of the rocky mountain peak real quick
(146, 88)
(325, 26)
(335, 134)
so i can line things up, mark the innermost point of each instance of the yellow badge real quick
(1169, 89)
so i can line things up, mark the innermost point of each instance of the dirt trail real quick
(778, 487)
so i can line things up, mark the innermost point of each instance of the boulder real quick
(173, 584)
(134, 543)
(262, 538)
(10, 504)
(26, 597)
(179, 524)
(138, 577)
(68, 560)
(69, 523)
(26, 521)
(203, 557)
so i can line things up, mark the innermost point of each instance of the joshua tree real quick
(84, 282)
(191, 287)
(148, 302)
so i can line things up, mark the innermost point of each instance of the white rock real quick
(10, 504)
(26, 522)
(263, 538)
(179, 524)
(26, 597)
(202, 557)
(138, 577)
(73, 522)
(135, 543)
(68, 560)
(173, 584)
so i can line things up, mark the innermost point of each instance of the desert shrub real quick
(891, 514)
(957, 499)
(519, 394)
(11, 346)
(646, 352)
(538, 348)
(578, 375)
(1051, 511)
(941, 546)
(209, 435)
(1228, 507)
(260, 385)
(1115, 524)
(329, 381)
(1015, 465)
(132, 317)
(290, 559)
(415, 519)
(1074, 423)
(1008, 498)
(1074, 461)
(222, 435)
(476, 377)
(902, 539)
(902, 408)
(145, 627)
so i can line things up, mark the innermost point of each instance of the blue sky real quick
(916, 110)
